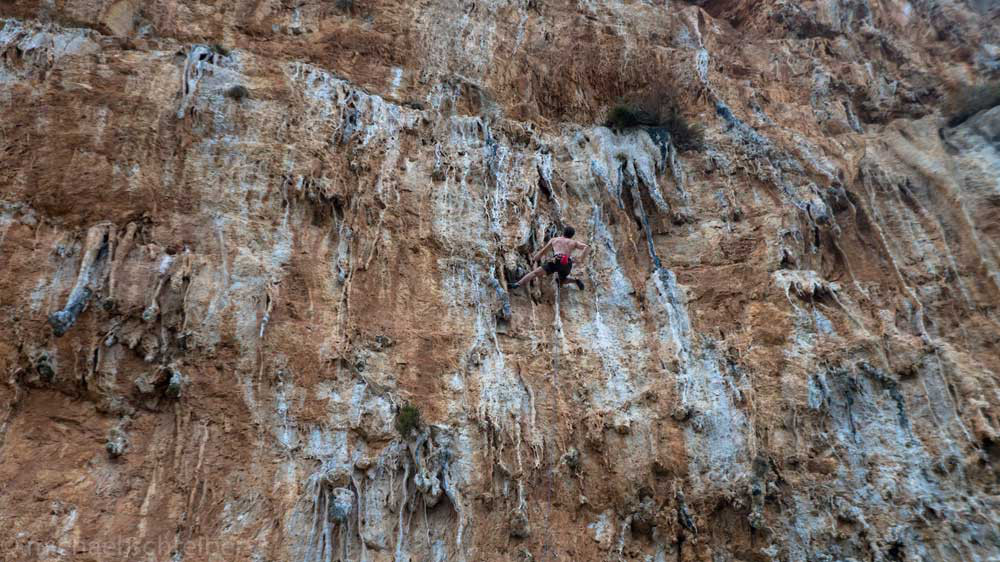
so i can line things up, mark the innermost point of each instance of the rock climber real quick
(561, 263)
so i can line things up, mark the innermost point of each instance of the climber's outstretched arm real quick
(585, 248)
(541, 252)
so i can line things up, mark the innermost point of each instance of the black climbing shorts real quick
(560, 264)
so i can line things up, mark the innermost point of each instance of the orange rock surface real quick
(237, 238)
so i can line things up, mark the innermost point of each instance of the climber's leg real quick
(564, 271)
(527, 278)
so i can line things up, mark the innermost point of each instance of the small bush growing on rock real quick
(626, 115)
(238, 92)
(657, 108)
(219, 50)
(970, 100)
(407, 420)
(685, 136)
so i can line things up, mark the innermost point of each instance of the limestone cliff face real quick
(237, 237)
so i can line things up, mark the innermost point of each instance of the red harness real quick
(563, 259)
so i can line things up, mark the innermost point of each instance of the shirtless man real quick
(561, 263)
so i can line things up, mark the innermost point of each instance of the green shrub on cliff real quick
(657, 108)
(626, 115)
(407, 420)
(685, 136)
(238, 93)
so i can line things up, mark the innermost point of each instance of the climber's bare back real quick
(564, 246)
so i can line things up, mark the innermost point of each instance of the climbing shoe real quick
(579, 284)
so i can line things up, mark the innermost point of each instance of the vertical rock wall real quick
(237, 238)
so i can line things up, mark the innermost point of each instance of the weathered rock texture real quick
(236, 237)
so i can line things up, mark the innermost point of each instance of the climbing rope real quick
(556, 328)
(557, 346)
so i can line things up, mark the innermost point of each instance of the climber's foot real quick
(579, 284)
